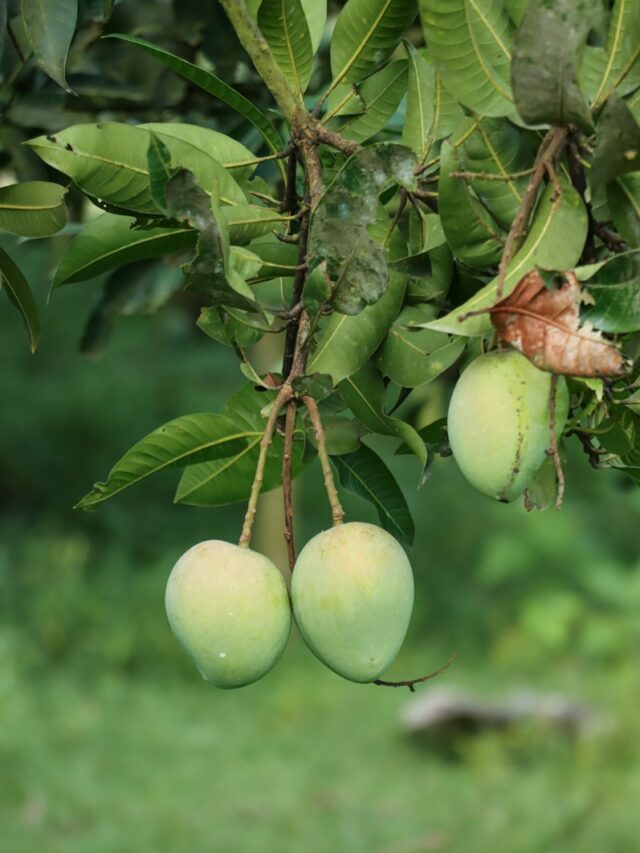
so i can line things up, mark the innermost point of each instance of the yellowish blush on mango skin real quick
(352, 595)
(229, 608)
(498, 422)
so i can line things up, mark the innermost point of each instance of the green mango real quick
(229, 608)
(498, 422)
(352, 595)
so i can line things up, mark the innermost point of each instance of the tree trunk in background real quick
(268, 529)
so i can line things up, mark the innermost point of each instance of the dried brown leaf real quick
(544, 325)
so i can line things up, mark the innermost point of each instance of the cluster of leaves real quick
(438, 109)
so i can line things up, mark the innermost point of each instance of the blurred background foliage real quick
(108, 739)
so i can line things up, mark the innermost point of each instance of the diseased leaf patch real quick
(543, 324)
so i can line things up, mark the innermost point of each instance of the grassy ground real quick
(302, 761)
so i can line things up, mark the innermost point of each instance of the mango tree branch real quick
(290, 423)
(337, 513)
(553, 448)
(550, 146)
(284, 395)
(411, 682)
(246, 28)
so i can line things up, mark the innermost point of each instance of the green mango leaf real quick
(555, 241)
(617, 143)
(225, 481)
(430, 268)
(248, 221)
(109, 162)
(19, 293)
(315, 295)
(339, 238)
(285, 27)
(184, 440)
(470, 43)
(364, 474)
(623, 200)
(316, 14)
(419, 130)
(412, 354)
(224, 149)
(278, 258)
(499, 148)
(49, 27)
(110, 241)
(516, 9)
(622, 51)
(472, 234)
(229, 326)
(364, 393)
(160, 170)
(541, 491)
(32, 208)
(139, 288)
(546, 52)
(380, 94)
(212, 84)
(342, 435)
(366, 34)
(614, 288)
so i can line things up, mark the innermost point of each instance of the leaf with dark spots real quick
(617, 143)
(546, 51)
(211, 269)
(543, 324)
(356, 263)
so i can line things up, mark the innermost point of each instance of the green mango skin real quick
(229, 608)
(498, 422)
(352, 595)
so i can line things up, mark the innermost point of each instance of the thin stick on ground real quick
(337, 513)
(411, 682)
(551, 145)
(287, 489)
(553, 449)
(284, 395)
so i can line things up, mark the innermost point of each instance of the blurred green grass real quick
(110, 742)
(300, 761)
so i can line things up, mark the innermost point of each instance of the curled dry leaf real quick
(544, 325)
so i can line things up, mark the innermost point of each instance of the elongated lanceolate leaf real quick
(285, 27)
(364, 474)
(545, 62)
(617, 143)
(212, 84)
(622, 50)
(366, 34)
(49, 26)
(470, 43)
(110, 241)
(189, 439)
(225, 481)
(32, 208)
(614, 287)
(20, 295)
(364, 393)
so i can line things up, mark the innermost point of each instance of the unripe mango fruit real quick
(229, 608)
(498, 422)
(352, 595)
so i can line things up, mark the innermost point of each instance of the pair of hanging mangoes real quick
(351, 594)
(352, 588)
